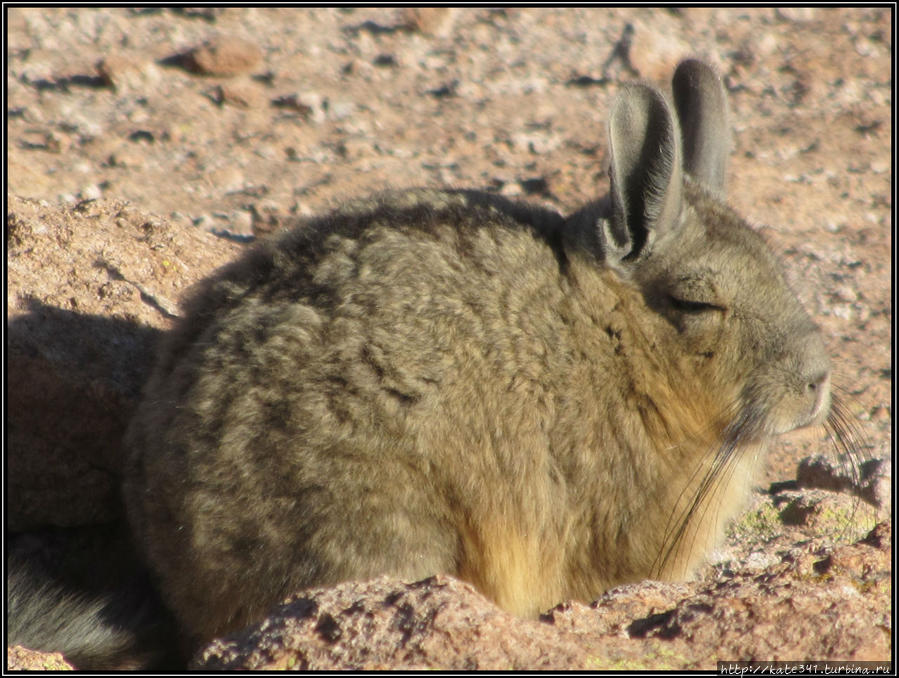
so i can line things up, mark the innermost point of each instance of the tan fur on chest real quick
(521, 572)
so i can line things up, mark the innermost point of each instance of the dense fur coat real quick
(437, 381)
(449, 382)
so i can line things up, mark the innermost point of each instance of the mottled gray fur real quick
(445, 381)
(122, 627)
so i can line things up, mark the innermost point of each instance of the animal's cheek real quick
(703, 336)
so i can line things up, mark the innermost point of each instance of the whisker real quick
(723, 459)
(672, 536)
(720, 462)
(707, 497)
(851, 449)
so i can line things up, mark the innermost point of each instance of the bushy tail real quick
(122, 627)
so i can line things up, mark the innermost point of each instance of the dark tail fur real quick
(101, 614)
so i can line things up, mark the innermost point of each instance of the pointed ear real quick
(701, 104)
(645, 172)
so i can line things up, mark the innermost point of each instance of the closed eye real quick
(687, 306)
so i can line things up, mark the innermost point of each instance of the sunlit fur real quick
(447, 381)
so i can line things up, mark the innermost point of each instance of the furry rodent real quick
(446, 381)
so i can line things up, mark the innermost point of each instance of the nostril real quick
(819, 394)
(818, 381)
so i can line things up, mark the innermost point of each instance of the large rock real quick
(815, 602)
(435, 623)
(90, 286)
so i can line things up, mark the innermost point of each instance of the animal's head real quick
(720, 299)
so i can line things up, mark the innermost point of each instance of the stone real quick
(90, 287)
(815, 601)
(19, 658)
(224, 56)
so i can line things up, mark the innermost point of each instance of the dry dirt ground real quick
(146, 147)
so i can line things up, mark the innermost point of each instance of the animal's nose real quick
(819, 389)
(819, 381)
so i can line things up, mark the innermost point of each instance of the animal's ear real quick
(701, 103)
(645, 172)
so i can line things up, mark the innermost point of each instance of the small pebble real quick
(224, 55)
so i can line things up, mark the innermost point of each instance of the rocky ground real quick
(146, 147)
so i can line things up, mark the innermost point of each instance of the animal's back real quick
(351, 400)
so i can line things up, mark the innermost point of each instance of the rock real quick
(19, 658)
(309, 105)
(228, 179)
(128, 73)
(90, 286)
(796, 14)
(224, 55)
(237, 226)
(44, 141)
(842, 593)
(840, 516)
(871, 480)
(91, 192)
(209, 14)
(877, 485)
(268, 217)
(437, 21)
(439, 622)
(242, 93)
(820, 472)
